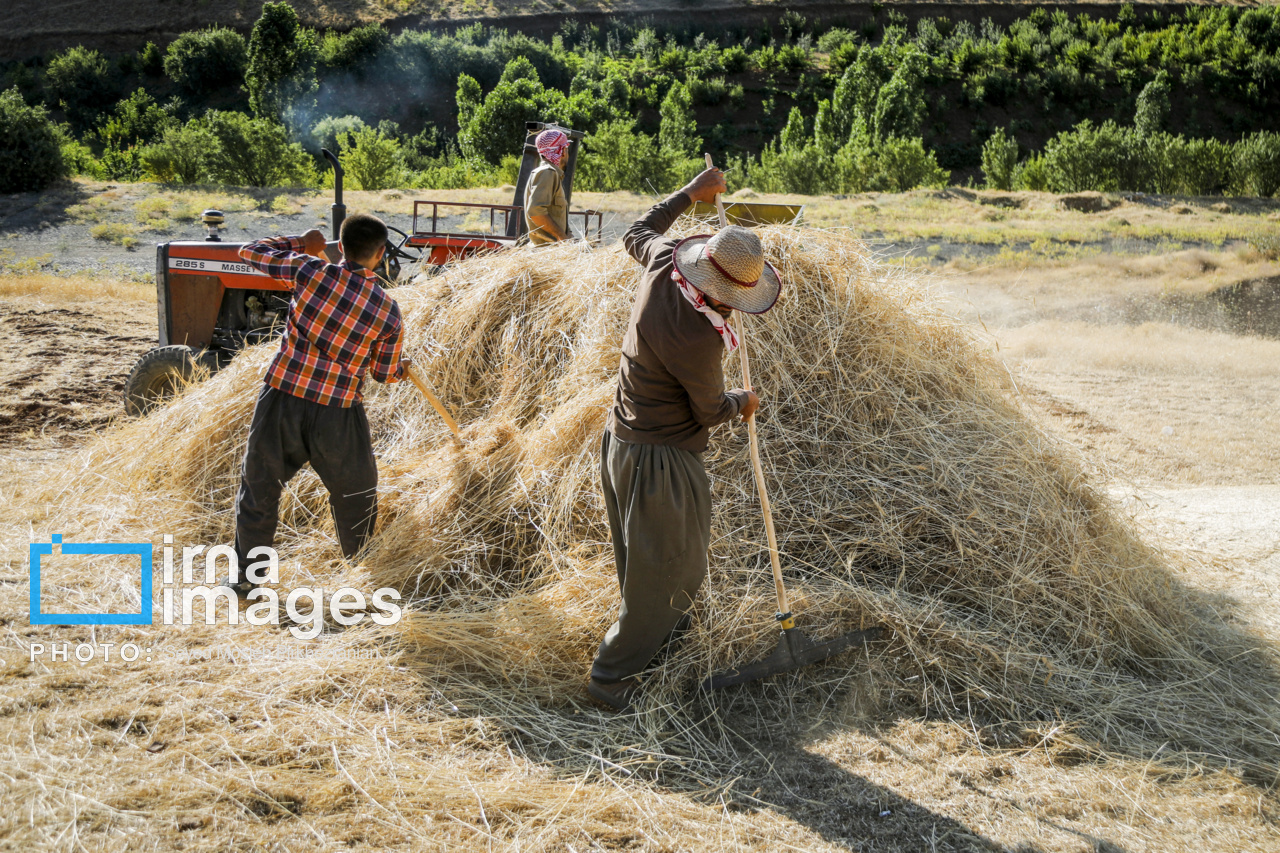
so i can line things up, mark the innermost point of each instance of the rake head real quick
(794, 650)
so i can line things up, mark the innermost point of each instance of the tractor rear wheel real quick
(160, 374)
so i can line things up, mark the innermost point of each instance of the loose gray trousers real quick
(658, 500)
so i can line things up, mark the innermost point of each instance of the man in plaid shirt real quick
(341, 324)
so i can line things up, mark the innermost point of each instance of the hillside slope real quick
(35, 26)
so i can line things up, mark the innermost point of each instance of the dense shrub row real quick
(1158, 102)
(1110, 158)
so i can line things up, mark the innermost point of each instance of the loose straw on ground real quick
(910, 490)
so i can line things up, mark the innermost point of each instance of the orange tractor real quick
(211, 304)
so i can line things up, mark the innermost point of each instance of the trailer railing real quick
(493, 209)
(591, 230)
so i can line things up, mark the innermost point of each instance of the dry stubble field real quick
(1127, 353)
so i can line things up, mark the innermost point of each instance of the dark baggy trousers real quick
(658, 500)
(286, 433)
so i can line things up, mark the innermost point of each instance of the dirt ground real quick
(62, 367)
(1180, 418)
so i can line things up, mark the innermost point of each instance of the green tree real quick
(793, 163)
(833, 38)
(794, 58)
(496, 126)
(327, 132)
(1031, 174)
(136, 120)
(793, 137)
(855, 96)
(451, 170)
(1204, 167)
(1256, 164)
(121, 164)
(519, 68)
(618, 157)
(826, 132)
(604, 86)
(82, 82)
(999, 159)
(468, 98)
(204, 61)
(76, 155)
(900, 106)
(678, 128)
(356, 50)
(792, 170)
(904, 164)
(179, 156)
(585, 110)
(254, 152)
(854, 164)
(735, 59)
(282, 61)
(372, 159)
(150, 60)
(1102, 157)
(30, 149)
(1153, 106)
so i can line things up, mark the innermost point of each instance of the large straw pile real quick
(910, 490)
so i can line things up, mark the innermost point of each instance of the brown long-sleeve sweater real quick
(670, 380)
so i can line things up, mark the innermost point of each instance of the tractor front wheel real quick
(162, 373)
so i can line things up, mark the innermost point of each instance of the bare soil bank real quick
(34, 27)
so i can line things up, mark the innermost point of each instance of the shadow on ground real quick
(26, 213)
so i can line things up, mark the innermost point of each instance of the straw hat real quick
(730, 268)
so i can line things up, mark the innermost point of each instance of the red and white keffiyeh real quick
(551, 145)
(718, 322)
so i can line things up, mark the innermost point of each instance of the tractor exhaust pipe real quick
(338, 210)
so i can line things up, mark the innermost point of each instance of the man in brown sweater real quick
(670, 393)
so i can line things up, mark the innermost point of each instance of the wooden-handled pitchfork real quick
(794, 649)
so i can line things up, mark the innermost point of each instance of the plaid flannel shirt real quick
(341, 323)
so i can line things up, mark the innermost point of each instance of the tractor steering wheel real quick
(391, 267)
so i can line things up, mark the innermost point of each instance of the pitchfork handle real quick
(784, 606)
(435, 402)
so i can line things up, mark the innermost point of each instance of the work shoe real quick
(617, 695)
(241, 589)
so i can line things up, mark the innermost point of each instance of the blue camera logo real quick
(140, 549)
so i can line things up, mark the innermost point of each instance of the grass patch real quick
(78, 288)
(1266, 245)
(187, 205)
(95, 209)
(120, 233)
(284, 206)
(11, 264)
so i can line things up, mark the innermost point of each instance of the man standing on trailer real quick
(546, 209)
(670, 393)
(341, 324)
